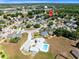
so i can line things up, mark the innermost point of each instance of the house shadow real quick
(60, 55)
(74, 46)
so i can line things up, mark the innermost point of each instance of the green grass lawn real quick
(3, 54)
(36, 35)
(43, 55)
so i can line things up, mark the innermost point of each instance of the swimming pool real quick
(45, 47)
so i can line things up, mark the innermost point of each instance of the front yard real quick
(36, 35)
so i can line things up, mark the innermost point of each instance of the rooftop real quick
(35, 45)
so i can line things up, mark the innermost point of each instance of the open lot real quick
(58, 45)
(61, 45)
(13, 51)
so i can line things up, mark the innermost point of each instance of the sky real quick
(39, 1)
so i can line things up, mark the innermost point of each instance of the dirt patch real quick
(14, 52)
(23, 39)
(61, 45)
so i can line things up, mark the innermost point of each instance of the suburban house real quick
(33, 46)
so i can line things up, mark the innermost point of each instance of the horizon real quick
(37, 1)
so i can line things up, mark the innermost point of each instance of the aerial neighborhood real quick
(38, 30)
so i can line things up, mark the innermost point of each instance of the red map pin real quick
(50, 12)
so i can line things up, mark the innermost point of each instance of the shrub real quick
(14, 40)
(3, 56)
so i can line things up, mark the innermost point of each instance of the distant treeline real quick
(57, 5)
(70, 11)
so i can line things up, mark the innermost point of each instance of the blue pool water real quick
(45, 47)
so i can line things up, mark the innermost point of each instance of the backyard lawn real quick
(43, 55)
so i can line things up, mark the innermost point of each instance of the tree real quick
(22, 15)
(16, 14)
(37, 26)
(14, 27)
(46, 16)
(13, 15)
(37, 16)
(8, 14)
(5, 16)
(19, 9)
(28, 25)
(66, 33)
(50, 23)
(58, 32)
(30, 13)
(61, 15)
(36, 11)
